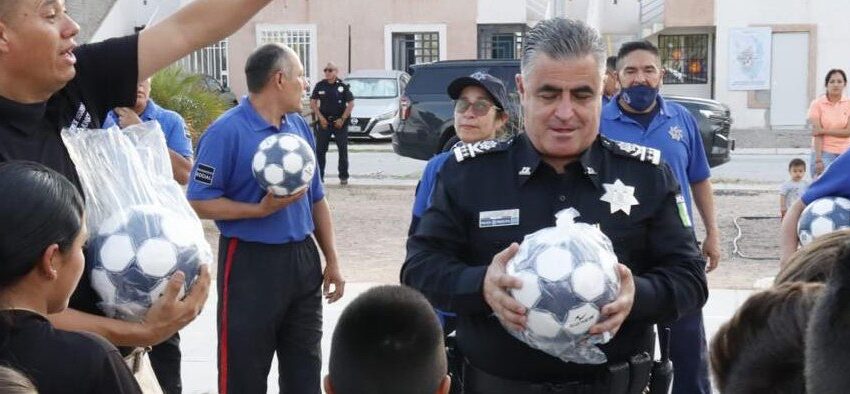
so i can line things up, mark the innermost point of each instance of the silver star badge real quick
(620, 196)
(675, 133)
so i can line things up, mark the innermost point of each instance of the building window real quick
(415, 48)
(500, 41)
(211, 60)
(684, 58)
(299, 38)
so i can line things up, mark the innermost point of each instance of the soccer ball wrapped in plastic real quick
(135, 252)
(284, 164)
(568, 273)
(823, 216)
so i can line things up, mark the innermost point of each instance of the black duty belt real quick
(630, 377)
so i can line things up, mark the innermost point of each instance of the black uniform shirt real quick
(448, 255)
(60, 361)
(332, 97)
(107, 75)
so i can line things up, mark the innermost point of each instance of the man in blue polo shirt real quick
(176, 134)
(639, 115)
(835, 182)
(270, 279)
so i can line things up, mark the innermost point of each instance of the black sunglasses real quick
(479, 107)
(327, 70)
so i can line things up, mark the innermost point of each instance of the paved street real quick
(376, 163)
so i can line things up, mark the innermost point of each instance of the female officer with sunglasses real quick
(480, 115)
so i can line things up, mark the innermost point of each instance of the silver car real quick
(377, 94)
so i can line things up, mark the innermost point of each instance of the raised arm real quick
(199, 23)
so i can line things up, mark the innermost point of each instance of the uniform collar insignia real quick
(526, 170)
(620, 196)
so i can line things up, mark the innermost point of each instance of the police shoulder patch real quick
(635, 151)
(468, 151)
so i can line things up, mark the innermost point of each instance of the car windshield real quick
(373, 87)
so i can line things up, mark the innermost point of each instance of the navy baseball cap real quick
(489, 83)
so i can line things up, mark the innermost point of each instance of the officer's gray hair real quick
(561, 39)
(267, 60)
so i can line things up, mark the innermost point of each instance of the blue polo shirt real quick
(834, 182)
(674, 132)
(177, 136)
(223, 169)
(426, 184)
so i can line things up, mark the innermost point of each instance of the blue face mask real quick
(639, 97)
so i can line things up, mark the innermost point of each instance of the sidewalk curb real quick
(771, 151)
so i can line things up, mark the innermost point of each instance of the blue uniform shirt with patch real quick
(223, 169)
(835, 182)
(176, 134)
(674, 132)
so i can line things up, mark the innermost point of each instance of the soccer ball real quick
(568, 274)
(284, 164)
(823, 216)
(135, 251)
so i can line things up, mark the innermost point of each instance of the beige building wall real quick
(689, 13)
(368, 19)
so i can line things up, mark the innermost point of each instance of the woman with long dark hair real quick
(42, 233)
(829, 116)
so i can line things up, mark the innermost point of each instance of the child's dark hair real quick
(796, 163)
(760, 350)
(388, 340)
(39, 207)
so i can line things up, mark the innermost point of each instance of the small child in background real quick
(792, 189)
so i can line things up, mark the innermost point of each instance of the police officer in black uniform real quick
(332, 103)
(493, 194)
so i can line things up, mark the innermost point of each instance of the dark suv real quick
(427, 112)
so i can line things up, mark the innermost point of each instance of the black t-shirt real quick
(332, 97)
(107, 75)
(60, 361)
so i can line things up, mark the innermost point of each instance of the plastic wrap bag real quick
(141, 227)
(569, 272)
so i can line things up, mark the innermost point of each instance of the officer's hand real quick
(127, 117)
(496, 284)
(323, 122)
(271, 203)
(338, 123)
(169, 313)
(615, 313)
(711, 250)
(332, 276)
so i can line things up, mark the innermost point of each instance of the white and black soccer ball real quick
(134, 254)
(284, 164)
(568, 274)
(823, 216)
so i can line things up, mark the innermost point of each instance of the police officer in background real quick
(610, 83)
(492, 195)
(639, 114)
(332, 103)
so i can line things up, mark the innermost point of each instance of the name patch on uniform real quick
(204, 174)
(505, 217)
(683, 211)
